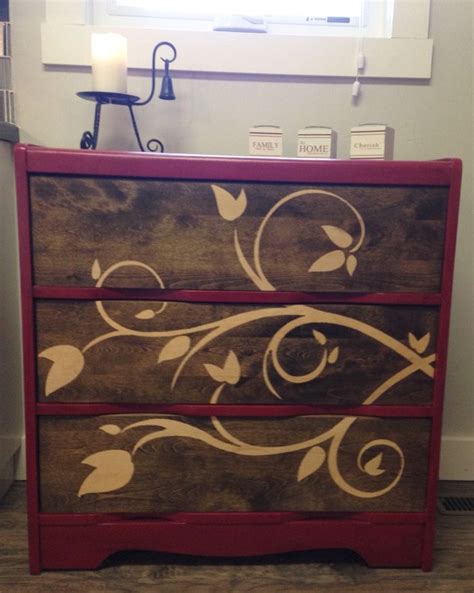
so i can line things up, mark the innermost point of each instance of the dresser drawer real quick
(159, 464)
(236, 236)
(155, 352)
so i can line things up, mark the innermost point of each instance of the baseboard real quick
(21, 467)
(9, 446)
(457, 458)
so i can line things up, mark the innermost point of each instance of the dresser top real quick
(190, 166)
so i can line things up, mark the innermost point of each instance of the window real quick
(300, 11)
(299, 17)
(339, 8)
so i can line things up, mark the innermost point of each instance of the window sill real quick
(249, 53)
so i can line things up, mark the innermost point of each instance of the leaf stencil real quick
(338, 236)
(351, 264)
(311, 462)
(145, 314)
(333, 355)
(329, 262)
(68, 362)
(175, 348)
(113, 470)
(96, 271)
(372, 467)
(319, 337)
(419, 345)
(111, 429)
(229, 208)
(229, 373)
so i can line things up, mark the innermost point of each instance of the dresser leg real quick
(386, 546)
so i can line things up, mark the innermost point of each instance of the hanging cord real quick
(360, 63)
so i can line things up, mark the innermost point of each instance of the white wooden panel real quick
(250, 53)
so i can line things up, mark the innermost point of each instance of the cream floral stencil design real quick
(114, 468)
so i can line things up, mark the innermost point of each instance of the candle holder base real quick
(89, 139)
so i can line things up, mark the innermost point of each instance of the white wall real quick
(213, 113)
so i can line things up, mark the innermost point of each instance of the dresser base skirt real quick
(75, 542)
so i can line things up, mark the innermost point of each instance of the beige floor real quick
(311, 572)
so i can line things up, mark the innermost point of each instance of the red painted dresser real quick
(233, 356)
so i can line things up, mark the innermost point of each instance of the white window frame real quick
(407, 54)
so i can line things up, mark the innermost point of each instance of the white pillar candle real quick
(109, 62)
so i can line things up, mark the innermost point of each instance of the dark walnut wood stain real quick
(126, 368)
(185, 474)
(175, 228)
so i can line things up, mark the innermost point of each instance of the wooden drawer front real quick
(153, 464)
(236, 236)
(122, 351)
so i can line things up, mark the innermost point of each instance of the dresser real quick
(231, 356)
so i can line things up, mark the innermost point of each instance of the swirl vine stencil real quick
(114, 468)
(231, 208)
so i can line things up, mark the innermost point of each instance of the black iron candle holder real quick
(89, 140)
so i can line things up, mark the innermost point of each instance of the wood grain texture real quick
(125, 368)
(334, 571)
(168, 226)
(187, 474)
